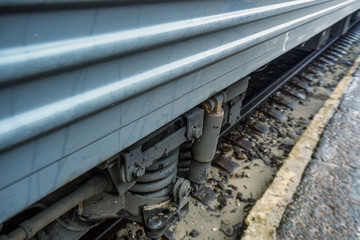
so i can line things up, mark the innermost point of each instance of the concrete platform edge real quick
(265, 216)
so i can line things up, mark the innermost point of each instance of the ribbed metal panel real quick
(82, 80)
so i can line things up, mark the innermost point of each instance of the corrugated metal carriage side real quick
(82, 81)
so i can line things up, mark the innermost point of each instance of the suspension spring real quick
(185, 157)
(159, 178)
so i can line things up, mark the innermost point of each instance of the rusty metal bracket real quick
(214, 104)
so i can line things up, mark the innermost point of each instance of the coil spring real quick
(185, 157)
(159, 178)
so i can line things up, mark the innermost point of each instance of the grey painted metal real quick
(82, 80)
(203, 150)
(30, 227)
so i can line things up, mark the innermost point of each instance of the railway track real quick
(251, 151)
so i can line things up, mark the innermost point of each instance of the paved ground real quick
(327, 203)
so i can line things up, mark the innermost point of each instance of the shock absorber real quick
(204, 148)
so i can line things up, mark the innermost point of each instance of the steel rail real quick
(265, 93)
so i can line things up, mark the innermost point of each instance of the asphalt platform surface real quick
(327, 202)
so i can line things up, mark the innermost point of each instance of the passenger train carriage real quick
(102, 98)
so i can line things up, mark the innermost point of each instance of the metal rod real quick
(105, 230)
(30, 227)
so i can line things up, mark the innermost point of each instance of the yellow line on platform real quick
(265, 216)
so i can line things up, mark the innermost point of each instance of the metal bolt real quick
(140, 171)
(154, 222)
(196, 133)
